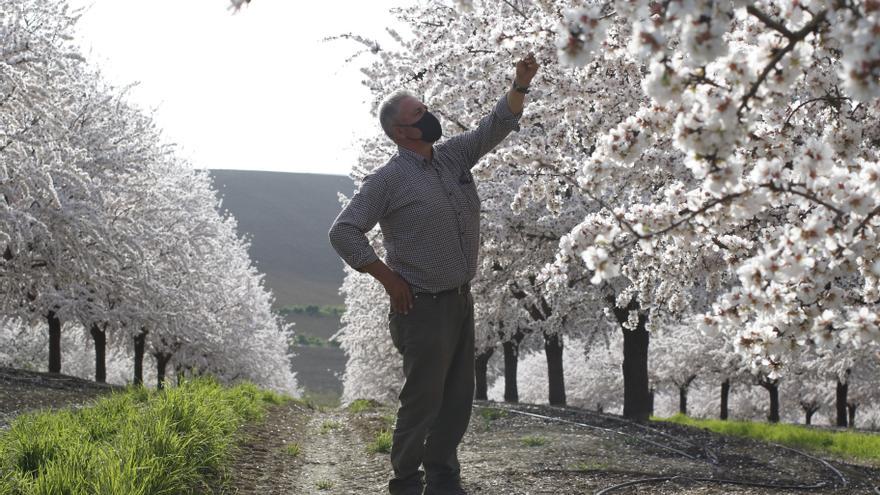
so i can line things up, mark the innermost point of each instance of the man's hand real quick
(401, 294)
(396, 287)
(526, 70)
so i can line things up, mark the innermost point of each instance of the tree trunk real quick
(636, 397)
(725, 394)
(851, 410)
(482, 368)
(810, 407)
(511, 349)
(683, 400)
(139, 342)
(100, 338)
(54, 342)
(772, 388)
(179, 374)
(553, 346)
(162, 359)
(683, 394)
(840, 402)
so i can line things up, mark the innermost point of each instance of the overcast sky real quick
(253, 90)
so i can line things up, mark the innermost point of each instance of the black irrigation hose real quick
(814, 486)
(630, 423)
(754, 484)
(827, 464)
(710, 455)
(631, 483)
(607, 430)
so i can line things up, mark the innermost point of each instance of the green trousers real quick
(436, 340)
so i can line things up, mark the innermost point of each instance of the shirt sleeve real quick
(348, 232)
(491, 130)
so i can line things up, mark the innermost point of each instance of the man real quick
(427, 206)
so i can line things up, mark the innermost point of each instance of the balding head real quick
(389, 111)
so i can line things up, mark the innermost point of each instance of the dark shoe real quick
(412, 485)
(406, 490)
(445, 489)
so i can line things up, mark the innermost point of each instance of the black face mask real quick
(430, 127)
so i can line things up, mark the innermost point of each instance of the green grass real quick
(848, 444)
(293, 449)
(330, 425)
(324, 484)
(533, 441)
(133, 442)
(362, 405)
(587, 466)
(381, 444)
(492, 413)
(312, 310)
(389, 419)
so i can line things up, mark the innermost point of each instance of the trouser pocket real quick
(395, 330)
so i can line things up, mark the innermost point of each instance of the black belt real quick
(460, 290)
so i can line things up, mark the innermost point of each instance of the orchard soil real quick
(23, 391)
(508, 450)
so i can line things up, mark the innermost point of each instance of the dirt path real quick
(513, 451)
(331, 456)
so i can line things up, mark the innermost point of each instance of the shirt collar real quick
(412, 155)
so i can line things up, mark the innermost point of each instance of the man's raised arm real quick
(503, 119)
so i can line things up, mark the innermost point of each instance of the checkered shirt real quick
(429, 211)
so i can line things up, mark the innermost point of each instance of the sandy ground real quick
(514, 452)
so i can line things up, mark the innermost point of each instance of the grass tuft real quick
(136, 441)
(330, 425)
(362, 405)
(590, 466)
(381, 444)
(293, 449)
(324, 484)
(389, 420)
(533, 441)
(848, 444)
(492, 413)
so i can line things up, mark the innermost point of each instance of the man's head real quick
(405, 119)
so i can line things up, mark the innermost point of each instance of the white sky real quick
(253, 90)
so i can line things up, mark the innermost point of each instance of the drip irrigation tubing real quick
(712, 458)
(720, 481)
(630, 423)
(599, 428)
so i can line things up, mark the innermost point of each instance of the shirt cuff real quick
(503, 111)
(361, 261)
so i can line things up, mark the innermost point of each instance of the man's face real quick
(411, 110)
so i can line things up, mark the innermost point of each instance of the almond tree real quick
(103, 229)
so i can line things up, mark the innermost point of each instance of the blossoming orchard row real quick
(695, 162)
(107, 234)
